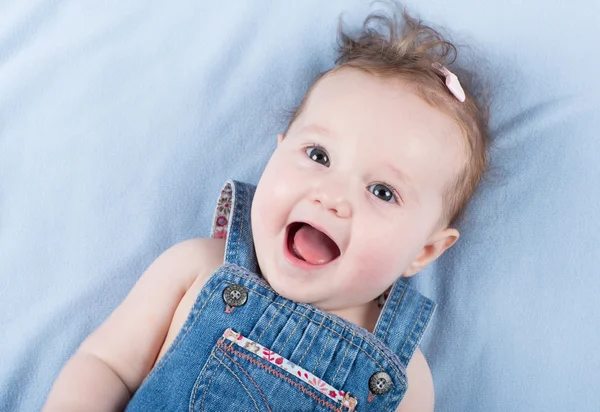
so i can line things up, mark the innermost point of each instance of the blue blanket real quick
(120, 120)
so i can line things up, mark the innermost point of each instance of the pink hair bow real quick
(452, 82)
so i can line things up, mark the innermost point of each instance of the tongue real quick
(314, 246)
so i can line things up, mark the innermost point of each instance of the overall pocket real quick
(242, 375)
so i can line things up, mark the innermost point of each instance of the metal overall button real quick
(235, 295)
(380, 383)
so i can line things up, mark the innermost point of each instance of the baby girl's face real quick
(353, 192)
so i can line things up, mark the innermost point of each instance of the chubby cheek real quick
(265, 217)
(270, 206)
(376, 267)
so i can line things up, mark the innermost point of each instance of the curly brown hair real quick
(400, 46)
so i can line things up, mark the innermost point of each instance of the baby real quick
(299, 302)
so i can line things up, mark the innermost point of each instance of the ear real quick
(279, 138)
(436, 245)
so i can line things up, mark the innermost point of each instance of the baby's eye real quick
(318, 155)
(383, 192)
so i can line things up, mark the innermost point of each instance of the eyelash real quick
(397, 197)
(314, 146)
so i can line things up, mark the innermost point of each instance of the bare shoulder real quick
(198, 253)
(420, 394)
(207, 252)
(182, 264)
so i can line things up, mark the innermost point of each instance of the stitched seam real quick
(239, 341)
(179, 341)
(249, 377)
(235, 221)
(173, 348)
(290, 336)
(323, 351)
(325, 327)
(246, 389)
(240, 223)
(388, 403)
(280, 375)
(394, 313)
(199, 379)
(420, 321)
(229, 223)
(269, 325)
(311, 341)
(343, 359)
(207, 386)
(308, 308)
(411, 332)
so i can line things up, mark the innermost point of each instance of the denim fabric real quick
(202, 371)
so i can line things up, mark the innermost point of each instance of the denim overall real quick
(245, 348)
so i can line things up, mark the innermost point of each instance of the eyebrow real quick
(316, 129)
(401, 175)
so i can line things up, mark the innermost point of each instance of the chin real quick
(291, 290)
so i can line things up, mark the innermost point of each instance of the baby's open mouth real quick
(311, 245)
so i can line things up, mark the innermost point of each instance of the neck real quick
(365, 315)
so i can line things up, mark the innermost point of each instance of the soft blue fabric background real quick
(120, 120)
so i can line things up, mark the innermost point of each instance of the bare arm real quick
(420, 395)
(112, 362)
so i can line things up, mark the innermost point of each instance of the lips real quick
(306, 243)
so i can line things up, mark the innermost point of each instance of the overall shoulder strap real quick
(232, 222)
(403, 320)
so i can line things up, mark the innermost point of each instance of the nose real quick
(334, 198)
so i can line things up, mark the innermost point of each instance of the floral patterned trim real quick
(282, 375)
(221, 222)
(268, 355)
